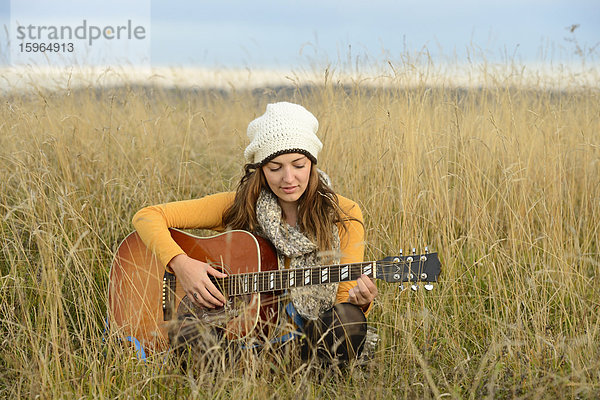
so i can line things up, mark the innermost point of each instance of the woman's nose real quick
(288, 175)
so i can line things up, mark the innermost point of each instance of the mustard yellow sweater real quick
(152, 225)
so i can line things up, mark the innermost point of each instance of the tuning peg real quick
(400, 252)
(428, 287)
(414, 251)
(401, 287)
(414, 287)
(426, 249)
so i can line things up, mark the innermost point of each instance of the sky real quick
(282, 34)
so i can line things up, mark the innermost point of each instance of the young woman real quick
(286, 199)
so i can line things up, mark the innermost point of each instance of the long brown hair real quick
(318, 207)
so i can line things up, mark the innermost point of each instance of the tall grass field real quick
(502, 180)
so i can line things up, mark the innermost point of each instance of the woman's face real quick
(287, 176)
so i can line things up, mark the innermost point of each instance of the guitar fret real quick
(315, 275)
(245, 283)
(264, 278)
(335, 273)
(279, 280)
(344, 273)
(282, 279)
(367, 270)
(292, 280)
(354, 271)
(272, 281)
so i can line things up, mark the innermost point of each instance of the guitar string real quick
(264, 277)
(255, 282)
(263, 280)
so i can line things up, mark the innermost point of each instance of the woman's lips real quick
(289, 189)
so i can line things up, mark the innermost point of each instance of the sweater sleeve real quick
(352, 245)
(152, 222)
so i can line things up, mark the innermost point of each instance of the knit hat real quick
(283, 128)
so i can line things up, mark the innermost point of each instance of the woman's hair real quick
(318, 207)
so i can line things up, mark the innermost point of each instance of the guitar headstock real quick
(411, 268)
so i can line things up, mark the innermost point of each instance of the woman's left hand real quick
(363, 293)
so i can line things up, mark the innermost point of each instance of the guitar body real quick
(136, 287)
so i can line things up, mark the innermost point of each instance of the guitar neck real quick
(258, 282)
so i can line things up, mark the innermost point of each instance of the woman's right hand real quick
(195, 281)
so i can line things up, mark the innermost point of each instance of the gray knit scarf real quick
(310, 301)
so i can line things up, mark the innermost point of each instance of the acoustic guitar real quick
(143, 298)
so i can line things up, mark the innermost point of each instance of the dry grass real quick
(503, 181)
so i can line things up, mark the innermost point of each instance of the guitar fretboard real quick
(278, 280)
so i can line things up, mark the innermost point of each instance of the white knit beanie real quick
(283, 128)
